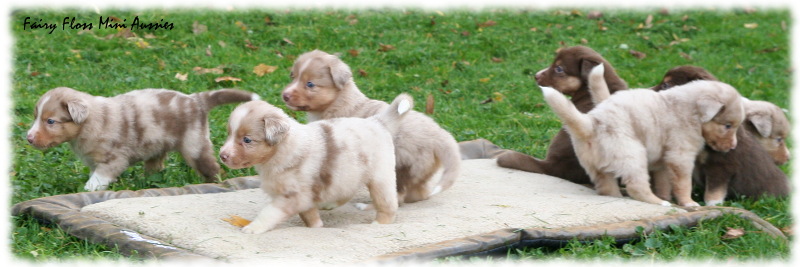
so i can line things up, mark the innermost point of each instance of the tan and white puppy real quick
(769, 125)
(320, 165)
(109, 133)
(633, 132)
(428, 158)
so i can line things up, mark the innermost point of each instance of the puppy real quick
(318, 165)
(322, 85)
(766, 121)
(110, 133)
(746, 170)
(568, 74)
(634, 131)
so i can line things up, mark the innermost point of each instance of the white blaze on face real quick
(234, 122)
(296, 83)
(36, 124)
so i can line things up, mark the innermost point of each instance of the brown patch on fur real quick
(682, 75)
(574, 64)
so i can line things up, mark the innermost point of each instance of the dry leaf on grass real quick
(429, 102)
(751, 25)
(262, 69)
(637, 54)
(353, 52)
(198, 28)
(386, 48)
(237, 221)
(488, 23)
(201, 70)
(227, 78)
(733, 233)
(181, 77)
(208, 51)
(362, 73)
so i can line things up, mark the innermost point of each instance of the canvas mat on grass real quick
(489, 208)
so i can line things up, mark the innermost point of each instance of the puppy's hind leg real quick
(384, 196)
(311, 218)
(200, 156)
(155, 164)
(606, 184)
(638, 187)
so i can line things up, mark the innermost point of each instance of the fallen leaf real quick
(250, 45)
(769, 50)
(268, 21)
(488, 23)
(429, 102)
(201, 70)
(386, 48)
(733, 233)
(497, 59)
(465, 33)
(788, 230)
(663, 11)
(487, 101)
(484, 80)
(288, 41)
(353, 52)
(600, 25)
(142, 44)
(498, 97)
(648, 22)
(208, 51)
(584, 41)
(149, 36)
(262, 69)
(241, 25)
(227, 78)
(237, 221)
(362, 73)
(638, 54)
(594, 14)
(222, 44)
(685, 17)
(181, 77)
(686, 56)
(751, 25)
(198, 28)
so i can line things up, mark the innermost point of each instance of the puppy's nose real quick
(286, 97)
(30, 139)
(538, 75)
(224, 156)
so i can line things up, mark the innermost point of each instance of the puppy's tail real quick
(224, 96)
(597, 84)
(390, 117)
(577, 124)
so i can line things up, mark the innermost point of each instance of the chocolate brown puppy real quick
(569, 75)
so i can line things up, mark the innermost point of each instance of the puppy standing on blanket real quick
(319, 165)
(110, 133)
(568, 74)
(747, 170)
(428, 159)
(634, 131)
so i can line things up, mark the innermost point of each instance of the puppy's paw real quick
(436, 190)
(96, 183)
(363, 206)
(715, 202)
(255, 228)
(666, 203)
(691, 204)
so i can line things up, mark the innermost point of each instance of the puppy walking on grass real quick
(110, 133)
(635, 131)
(320, 165)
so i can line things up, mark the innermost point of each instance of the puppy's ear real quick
(708, 108)
(587, 65)
(78, 109)
(762, 122)
(340, 72)
(275, 129)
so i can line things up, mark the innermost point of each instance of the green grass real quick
(454, 55)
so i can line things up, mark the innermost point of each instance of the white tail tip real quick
(255, 97)
(548, 90)
(404, 106)
(599, 69)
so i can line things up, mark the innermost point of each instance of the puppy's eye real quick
(51, 121)
(779, 139)
(665, 85)
(291, 74)
(310, 85)
(558, 69)
(247, 140)
(728, 126)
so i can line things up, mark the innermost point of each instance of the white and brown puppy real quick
(632, 132)
(323, 86)
(109, 133)
(320, 165)
(769, 125)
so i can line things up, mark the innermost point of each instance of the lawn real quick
(477, 65)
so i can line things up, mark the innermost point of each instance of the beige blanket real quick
(486, 198)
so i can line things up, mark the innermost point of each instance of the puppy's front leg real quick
(103, 175)
(682, 181)
(266, 220)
